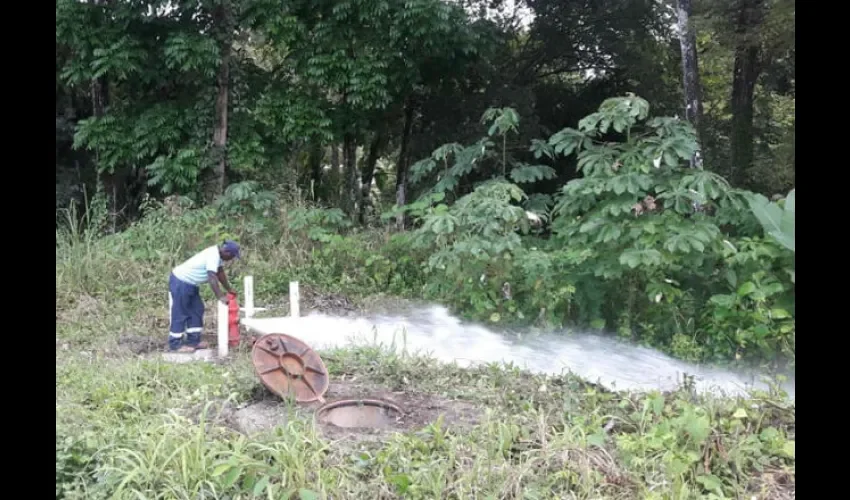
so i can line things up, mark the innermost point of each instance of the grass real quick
(130, 426)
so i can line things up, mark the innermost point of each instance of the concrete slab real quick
(259, 417)
(181, 357)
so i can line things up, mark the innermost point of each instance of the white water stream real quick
(432, 330)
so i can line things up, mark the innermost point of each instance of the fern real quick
(525, 174)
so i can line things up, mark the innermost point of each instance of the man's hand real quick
(223, 299)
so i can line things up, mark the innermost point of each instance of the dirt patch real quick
(774, 484)
(138, 345)
(420, 410)
(312, 300)
(326, 302)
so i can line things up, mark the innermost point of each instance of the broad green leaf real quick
(790, 201)
(777, 222)
(597, 440)
(531, 173)
(746, 289)
(261, 485)
(305, 494)
(635, 257)
(231, 477)
(711, 483)
(698, 427)
(567, 141)
(590, 225)
(401, 481)
(727, 301)
(779, 314)
(657, 403)
(221, 469)
(790, 448)
(608, 234)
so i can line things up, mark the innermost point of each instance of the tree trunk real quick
(349, 158)
(746, 72)
(220, 130)
(690, 72)
(223, 16)
(106, 178)
(401, 165)
(334, 178)
(368, 173)
(335, 158)
(317, 154)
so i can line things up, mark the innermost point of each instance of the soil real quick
(138, 345)
(420, 410)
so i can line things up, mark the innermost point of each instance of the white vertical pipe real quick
(249, 296)
(222, 329)
(294, 300)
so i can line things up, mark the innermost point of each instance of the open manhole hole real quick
(359, 413)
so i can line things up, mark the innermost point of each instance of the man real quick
(187, 308)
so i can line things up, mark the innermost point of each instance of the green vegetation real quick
(439, 151)
(130, 425)
(663, 253)
(139, 428)
(507, 165)
(640, 243)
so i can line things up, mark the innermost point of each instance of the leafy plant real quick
(749, 319)
(639, 242)
(246, 198)
(777, 219)
(75, 464)
(319, 224)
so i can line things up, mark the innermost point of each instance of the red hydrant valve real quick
(232, 320)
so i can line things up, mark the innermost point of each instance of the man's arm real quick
(223, 279)
(213, 279)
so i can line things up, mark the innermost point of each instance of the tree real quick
(223, 28)
(690, 70)
(752, 41)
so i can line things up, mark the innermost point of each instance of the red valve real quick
(232, 320)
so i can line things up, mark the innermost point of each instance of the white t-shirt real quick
(194, 270)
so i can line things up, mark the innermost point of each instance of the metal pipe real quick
(222, 329)
(249, 297)
(294, 300)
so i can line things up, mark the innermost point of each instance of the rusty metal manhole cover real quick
(287, 366)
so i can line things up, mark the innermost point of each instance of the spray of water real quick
(433, 331)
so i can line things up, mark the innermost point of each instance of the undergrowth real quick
(140, 428)
(702, 284)
(136, 427)
(640, 244)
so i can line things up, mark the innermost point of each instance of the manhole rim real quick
(333, 405)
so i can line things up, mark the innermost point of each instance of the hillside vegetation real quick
(526, 164)
(129, 425)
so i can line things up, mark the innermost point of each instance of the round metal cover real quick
(289, 367)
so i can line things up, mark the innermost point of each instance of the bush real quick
(640, 243)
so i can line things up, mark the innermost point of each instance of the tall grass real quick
(131, 427)
(134, 264)
(144, 429)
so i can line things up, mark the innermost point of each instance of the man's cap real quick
(231, 247)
